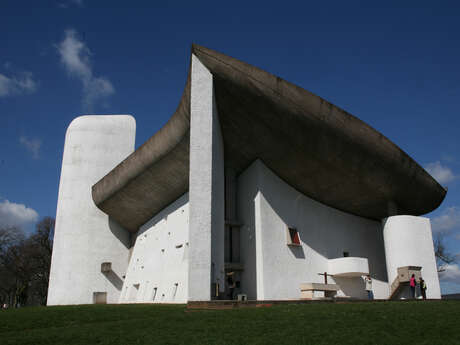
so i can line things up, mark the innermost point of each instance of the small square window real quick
(293, 238)
(346, 254)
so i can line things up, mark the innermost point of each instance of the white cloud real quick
(75, 57)
(21, 83)
(12, 214)
(441, 173)
(451, 273)
(33, 145)
(447, 221)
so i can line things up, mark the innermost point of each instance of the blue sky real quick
(393, 66)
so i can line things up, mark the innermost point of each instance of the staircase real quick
(403, 279)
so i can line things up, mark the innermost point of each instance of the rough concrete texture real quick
(85, 237)
(316, 147)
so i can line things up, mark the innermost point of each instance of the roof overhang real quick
(321, 150)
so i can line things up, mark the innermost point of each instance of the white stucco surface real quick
(158, 268)
(274, 270)
(84, 236)
(348, 267)
(409, 242)
(207, 212)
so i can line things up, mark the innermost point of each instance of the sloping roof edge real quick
(341, 161)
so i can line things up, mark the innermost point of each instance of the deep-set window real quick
(293, 237)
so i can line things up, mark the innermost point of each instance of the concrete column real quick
(408, 242)
(85, 237)
(206, 191)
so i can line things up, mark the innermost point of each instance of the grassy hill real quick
(414, 323)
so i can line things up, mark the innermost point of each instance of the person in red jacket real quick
(412, 284)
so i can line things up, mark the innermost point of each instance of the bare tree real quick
(40, 247)
(25, 264)
(443, 256)
(11, 239)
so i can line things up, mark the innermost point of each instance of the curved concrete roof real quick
(316, 147)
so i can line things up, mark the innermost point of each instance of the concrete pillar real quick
(206, 191)
(85, 237)
(408, 242)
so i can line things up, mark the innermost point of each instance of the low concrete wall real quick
(274, 270)
(158, 269)
(348, 267)
(85, 237)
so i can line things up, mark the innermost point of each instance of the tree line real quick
(25, 263)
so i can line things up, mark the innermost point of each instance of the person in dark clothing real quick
(422, 287)
(231, 284)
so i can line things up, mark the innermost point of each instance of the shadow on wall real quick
(114, 279)
(297, 251)
(326, 230)
(353, 287)
(246, 212)
(163, 214)
(120, 233)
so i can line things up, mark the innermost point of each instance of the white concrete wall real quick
(274, 270)
(207, 212)
(247, 200)
(158, 268)
(408, 242)
(349, 267)
(85, 236)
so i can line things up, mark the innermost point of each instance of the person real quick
(231, 284)
(422, 287)
(413, 285)
(368, 281)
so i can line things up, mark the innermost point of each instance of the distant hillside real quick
(451, 296)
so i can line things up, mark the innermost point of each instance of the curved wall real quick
(348, 267)
(274, 270)
(408, 242)
(84, 236)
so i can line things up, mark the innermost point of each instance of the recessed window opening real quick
(293, 237)
(175, 289)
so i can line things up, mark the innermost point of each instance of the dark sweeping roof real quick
(319, 149)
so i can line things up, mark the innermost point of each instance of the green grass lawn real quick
(410, 323)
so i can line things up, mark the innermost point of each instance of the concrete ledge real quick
(348, 267)
(319, 287)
